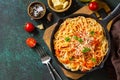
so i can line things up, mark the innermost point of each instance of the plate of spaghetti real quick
(80, 43)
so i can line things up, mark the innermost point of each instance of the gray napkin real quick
(115, 42)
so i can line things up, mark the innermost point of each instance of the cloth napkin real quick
(115, 43)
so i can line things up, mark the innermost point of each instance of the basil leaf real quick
(67, 39)
(93, 59)
(85, 50)
(75, 37)
(80, 40)
(92, 33)
(71, 58)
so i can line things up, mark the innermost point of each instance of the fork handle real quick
(50, 71)
(54, 70)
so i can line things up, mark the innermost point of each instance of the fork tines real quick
(40, 50)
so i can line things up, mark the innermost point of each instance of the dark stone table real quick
(17, 60)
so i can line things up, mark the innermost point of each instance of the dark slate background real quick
(18, 61)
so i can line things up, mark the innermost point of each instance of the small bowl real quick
(36, 10)
(51, 5)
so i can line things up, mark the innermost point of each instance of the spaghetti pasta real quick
(80, 43)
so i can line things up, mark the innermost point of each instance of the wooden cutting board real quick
(86, 10)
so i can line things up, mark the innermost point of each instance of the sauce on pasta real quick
(80, 43)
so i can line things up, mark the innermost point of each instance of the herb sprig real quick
(85, 50)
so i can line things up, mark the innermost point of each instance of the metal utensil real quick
(45, 58)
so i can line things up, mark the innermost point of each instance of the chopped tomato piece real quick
(95, 42)
(57, 52)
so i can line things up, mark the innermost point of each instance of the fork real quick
(45, 58)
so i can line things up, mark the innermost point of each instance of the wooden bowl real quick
(36, 10)
(51, 5)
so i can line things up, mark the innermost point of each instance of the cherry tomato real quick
(29, 27)
(31, 42)
(93, 6)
